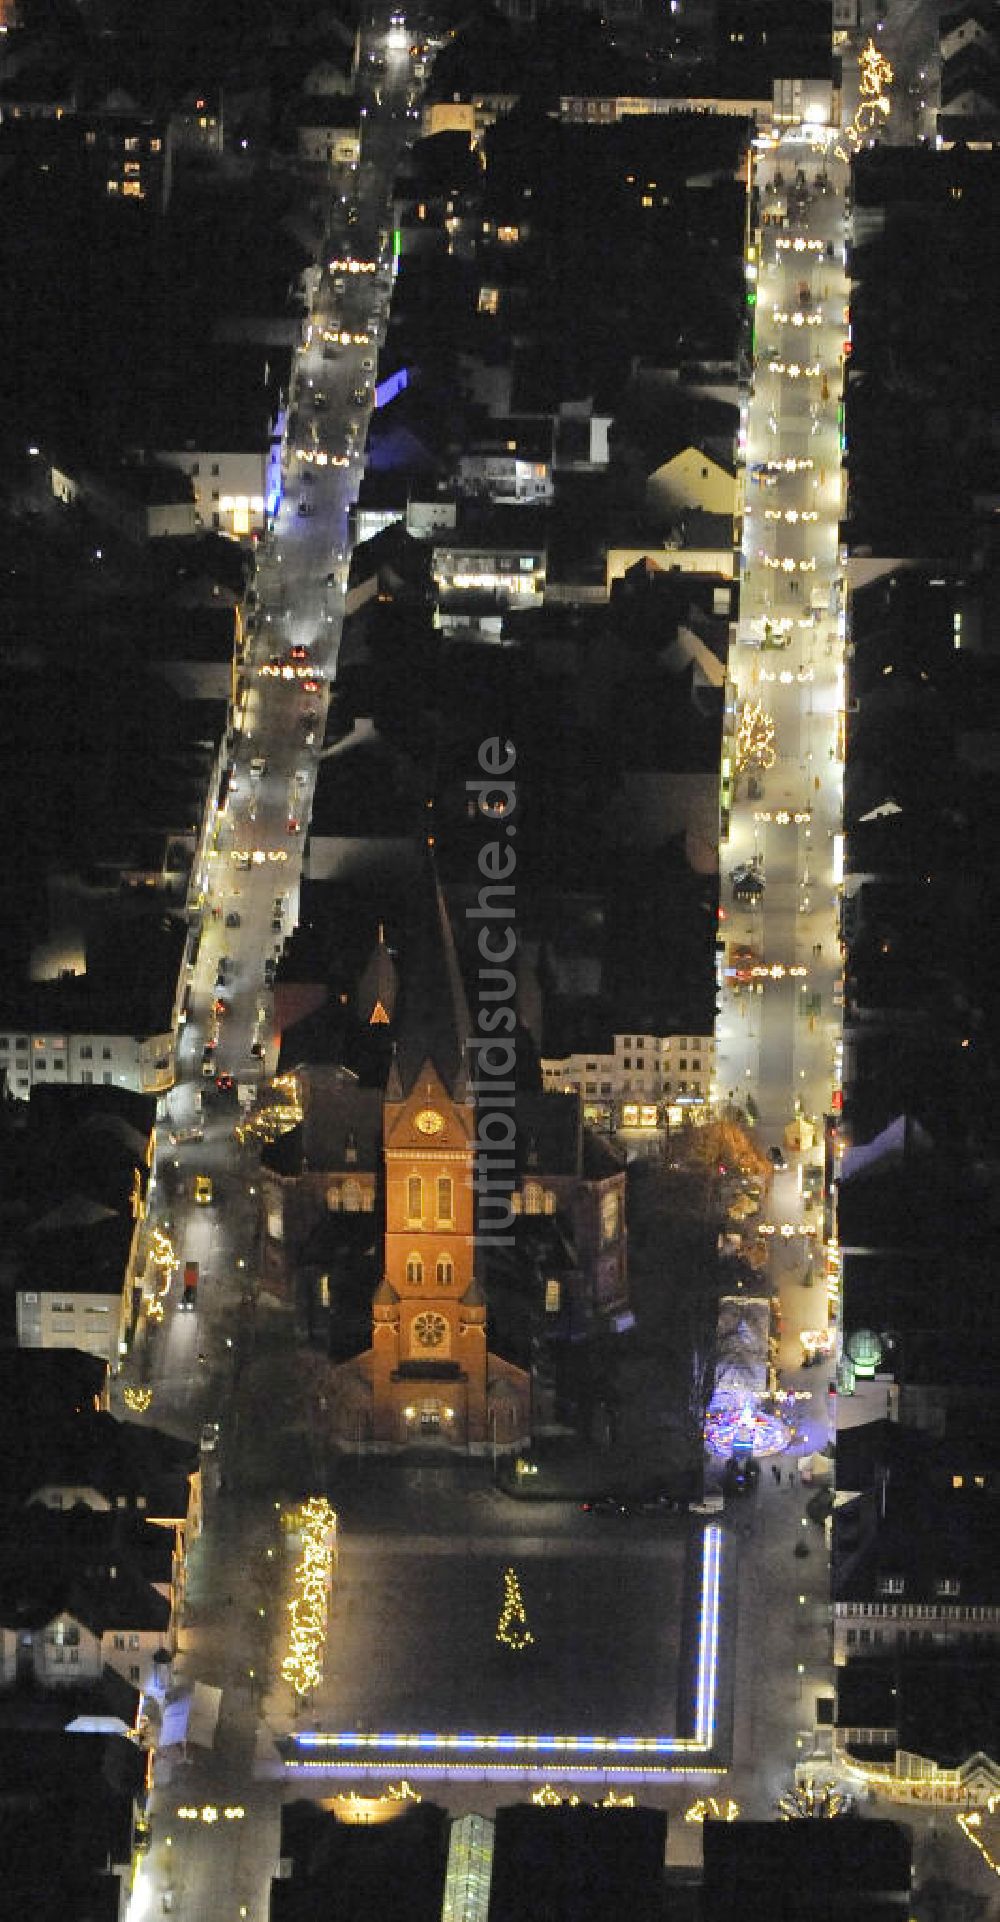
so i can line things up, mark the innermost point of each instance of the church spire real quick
(378, 988)
(433, 1023)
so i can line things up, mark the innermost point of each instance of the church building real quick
(378, 1181)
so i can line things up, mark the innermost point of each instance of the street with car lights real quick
(779, 1027)
(215, 1829)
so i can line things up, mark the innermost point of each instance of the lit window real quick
(610, 1217)
(534, 1198)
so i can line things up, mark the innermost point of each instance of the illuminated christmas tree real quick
(512, 1628)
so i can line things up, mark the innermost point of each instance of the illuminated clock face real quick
(429, 1121)
(429, 1330)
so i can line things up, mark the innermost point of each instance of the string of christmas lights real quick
(874, 79)
(282, 1112)
(512, 1628)
(308, 1609)
(755, 737)
(709, 1809)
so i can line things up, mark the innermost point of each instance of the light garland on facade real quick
(512, 1628)
(709, 1809)
(316, 1524)
(162, 1258)
(137, 1399)
(281, 1113)
(812, 1801)
(549, 1798)
(874, 79)
(210, 1814)
(755, 737)
(970, 1826)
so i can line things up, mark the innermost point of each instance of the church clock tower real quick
(429, 1336)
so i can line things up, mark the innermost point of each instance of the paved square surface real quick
(412, 1642)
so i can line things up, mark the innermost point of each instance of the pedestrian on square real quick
(791, 1478)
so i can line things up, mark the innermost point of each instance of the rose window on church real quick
(429, 1330)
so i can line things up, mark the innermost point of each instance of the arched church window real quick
(550, 1202)
(414, 1271)
(414, 1198)
(534, 1200)
(445, 1199)
(334, 1199)
(444, 1273)
(352, 1197)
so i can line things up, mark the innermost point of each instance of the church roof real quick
(434, 1023)
(549, 1134)
(366, 789)
(342, 1123)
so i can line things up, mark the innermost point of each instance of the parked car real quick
(209, 1440)
(605, 1505)
(232, 919)
(656, 1501)
(740, 1475)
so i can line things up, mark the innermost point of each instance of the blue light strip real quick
(379, 1743)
